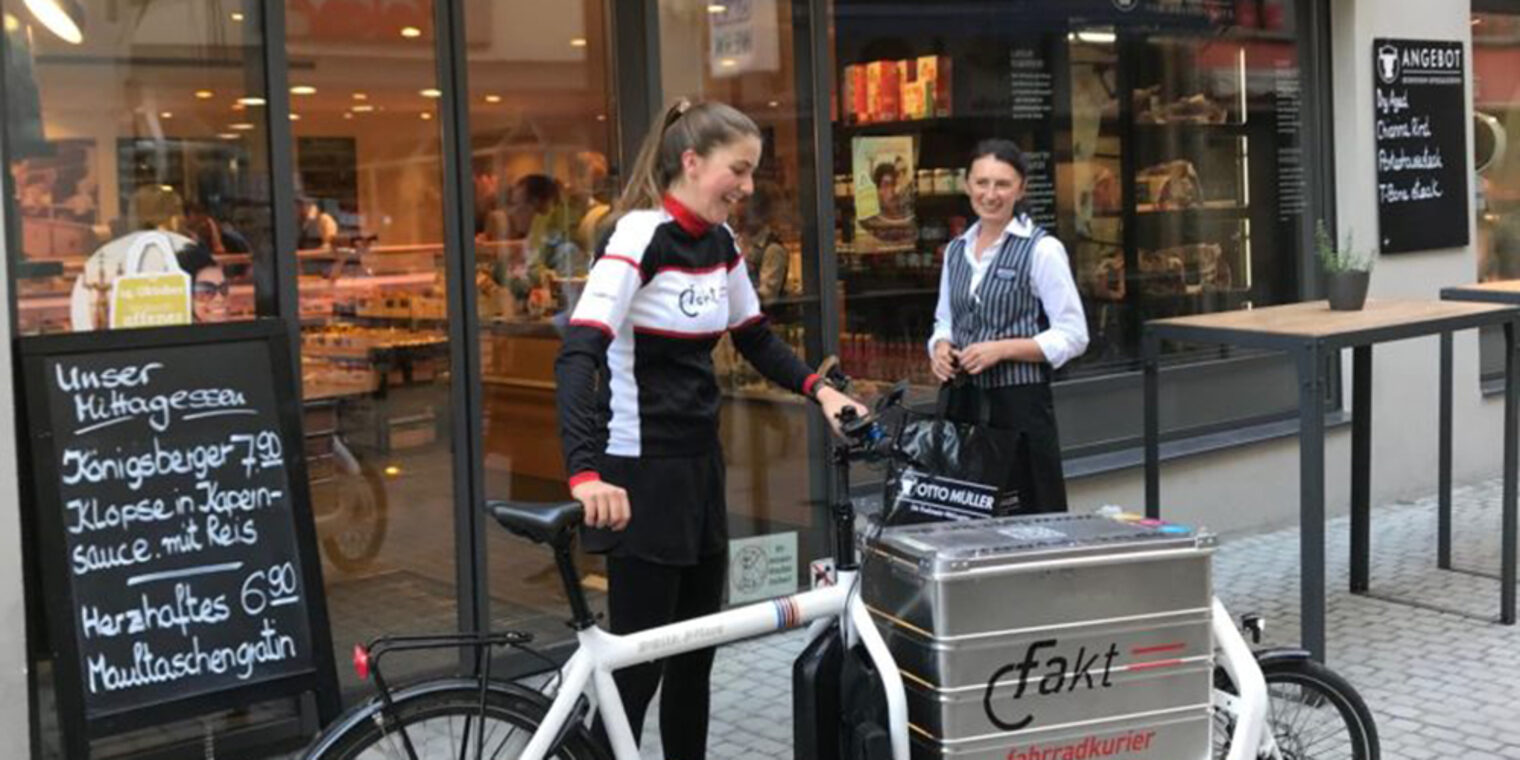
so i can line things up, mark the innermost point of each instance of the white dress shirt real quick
(1050, 277)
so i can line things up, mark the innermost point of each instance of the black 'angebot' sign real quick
(181, 557)
(1420, 134)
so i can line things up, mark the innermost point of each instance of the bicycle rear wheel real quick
(1313, 714)
(446, 725)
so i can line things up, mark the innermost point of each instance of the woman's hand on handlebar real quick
(943, 362)
(833, 402)
(606, 504)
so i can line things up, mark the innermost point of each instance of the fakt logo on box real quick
(1055, 674)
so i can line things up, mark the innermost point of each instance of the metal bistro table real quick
(1310, 332)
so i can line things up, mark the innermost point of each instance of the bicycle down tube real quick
(601, 654)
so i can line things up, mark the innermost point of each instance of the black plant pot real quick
(1347, 290)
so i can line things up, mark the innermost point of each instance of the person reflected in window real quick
(209, 289)
(1008, 315)
(202, 228)
(318, 228)
(765, 257)
(588, 197)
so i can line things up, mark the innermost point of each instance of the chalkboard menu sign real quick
(1420, 123)
(176, 536)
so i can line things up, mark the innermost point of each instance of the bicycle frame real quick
(602, 653)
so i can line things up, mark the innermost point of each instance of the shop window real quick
(1162, 141)
(747, 54)
(120, 123)
(1496, 119)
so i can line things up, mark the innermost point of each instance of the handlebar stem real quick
(843, 511)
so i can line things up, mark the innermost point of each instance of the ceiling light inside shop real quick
(241, 126)
(239, 107)
(410, 32)
(295, 117)
(360, 96)
(601, 117)
(577, 42)
(363, 108)
(204, 94)
(228, 135)
(430, 93)
(493, 98)
(347, 115)
(774, 104)
(237, 16)
(1097, 38)
(64, 18)
(425, 115)
(728, 63)
(392, 470)
(303, 89)
(166, 188)
(166, 115)
(716, 9)
(251, 101)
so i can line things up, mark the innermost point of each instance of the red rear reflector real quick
(361, 662)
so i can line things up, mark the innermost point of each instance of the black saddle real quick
(551, 523)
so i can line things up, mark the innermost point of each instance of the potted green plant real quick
(1347, 270)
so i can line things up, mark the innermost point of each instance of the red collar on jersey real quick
(694, 225)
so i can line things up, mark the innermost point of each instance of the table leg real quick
(1311, 499)
(1152, 434)
(1511, 453)
(1443, 459)
(1361, 467)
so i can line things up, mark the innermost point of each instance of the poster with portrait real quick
(883, 170)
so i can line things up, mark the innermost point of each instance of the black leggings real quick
(640, 595)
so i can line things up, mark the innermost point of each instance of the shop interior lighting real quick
(12, 23)
(728, 63)
(228, 135)
(64, 18)
(237, 16)
(493, 98)
(204, 94)
(166, 115)
(430, 93)
(363, 108)
(392, 470)
(577, 42)
(411, 32)
(1097, 38)
(303, 89)
(166, 188)
(239, 107)
(716, 8)
(250, 101)
(425, 115)
(347, 115)
(241, 126)
(361, 96)
(295, 117)
(774, 104)
(601, 117)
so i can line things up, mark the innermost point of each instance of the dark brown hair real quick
(684, 126)
(1008, 152)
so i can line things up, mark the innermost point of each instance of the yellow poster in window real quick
(150, 300)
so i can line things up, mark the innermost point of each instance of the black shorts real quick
(678, 505)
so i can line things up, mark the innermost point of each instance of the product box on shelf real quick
(853, 92)
(883, 98)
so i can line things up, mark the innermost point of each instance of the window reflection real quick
(150, 120)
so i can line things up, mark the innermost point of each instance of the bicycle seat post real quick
(581, 617)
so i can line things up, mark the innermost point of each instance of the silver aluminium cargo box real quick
(1049, 636)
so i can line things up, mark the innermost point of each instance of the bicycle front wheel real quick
(448, 725)
(1312, 713)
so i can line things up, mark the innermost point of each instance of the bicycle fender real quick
(365, 711)
(1265, 657)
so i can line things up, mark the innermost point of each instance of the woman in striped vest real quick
(1008, 315)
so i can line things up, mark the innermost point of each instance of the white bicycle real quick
(479, 717)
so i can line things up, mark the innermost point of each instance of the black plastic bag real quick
(958, 470)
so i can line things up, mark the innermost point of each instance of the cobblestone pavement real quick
(1440, 685)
